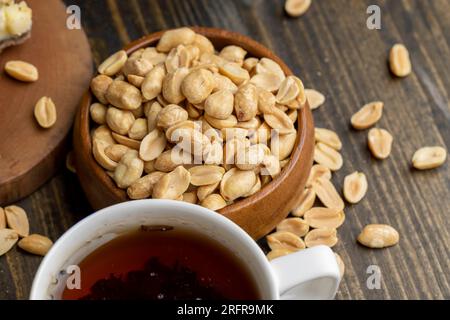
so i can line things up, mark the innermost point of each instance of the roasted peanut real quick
(266, 65)
(315, 98)
(137, 67)
(123, 95)
(205, 191)
(234, 72)
(126, 141)
(368, 115)
(328, 137)
(170, 116)
(236, 183)
(17, 219)
(429, 158)
(198, 85)
(380, 143)
(297, 226)
(143, 187)
(36, 244)
(280, 121)
(172, 83)
(99, 87)
(116, 151)
(22, 71)
(172, 185)
(45, 112)
(327, 194)
(246, 102)
(400, 61)
(152, 145)
(355, 187)
(324, 218)
(119, 121)
(220, 104)
(206, 175)
(214, 202)
(318, 171)
(138, 130)
(296, 8)
(98, 113)
(113, 64)
(224, 83)
(98, 150)
(153, 56)
(328, 157)
(233, 54)
(378, 236)
(322, 236)
(170, 159)
(175, 37)
(129, 169)
(8, 239)
(285, 240)
(304, 202)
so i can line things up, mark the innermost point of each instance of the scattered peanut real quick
(297, 226)
(305, 202)
(378, 236)
(213, 202)
(296, 8)
(328, 157)
(324, 218)
(400, 61)
(355, 187)
(285, 240)
(368, 115)
(323, 236)
(36, 244)
(380, 143)
(315, 98)
(172, 185)
(328, 137)
(318, 171)
(327, 194)
(22, 71)
(113, 64)
(45, 112)
(8, 239)
(429, 158)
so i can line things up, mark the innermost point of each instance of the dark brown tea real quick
(163, 263)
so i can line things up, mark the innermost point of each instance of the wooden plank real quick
(333, 51)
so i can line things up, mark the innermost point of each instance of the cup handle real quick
(311, 274)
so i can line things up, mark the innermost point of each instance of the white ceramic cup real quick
(308, 274)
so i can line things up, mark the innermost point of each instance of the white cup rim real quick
(43, 277)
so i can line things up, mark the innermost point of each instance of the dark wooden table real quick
(332, 50)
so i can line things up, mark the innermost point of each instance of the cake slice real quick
(15, 23)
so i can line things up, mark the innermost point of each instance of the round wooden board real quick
(29, 155)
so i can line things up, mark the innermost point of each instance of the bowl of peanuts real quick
(201, 115)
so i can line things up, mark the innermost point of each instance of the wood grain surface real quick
(332, 50)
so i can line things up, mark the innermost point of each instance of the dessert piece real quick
(15, 23)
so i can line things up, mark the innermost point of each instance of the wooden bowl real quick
(258, 214)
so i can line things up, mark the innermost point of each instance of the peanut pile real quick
(182, 121)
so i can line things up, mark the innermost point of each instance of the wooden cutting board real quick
(30, 155)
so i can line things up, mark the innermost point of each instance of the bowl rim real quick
(252, 46)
